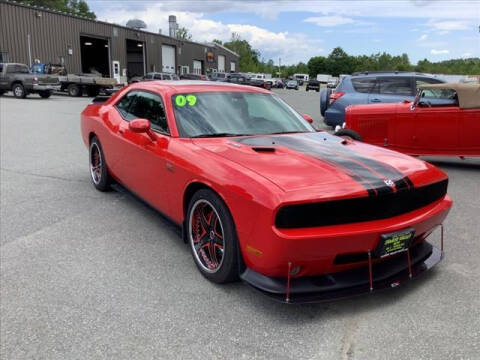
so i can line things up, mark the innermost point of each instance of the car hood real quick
(308, 161)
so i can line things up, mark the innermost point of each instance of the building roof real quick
(468, 94)
(223, 47)
(41, 8)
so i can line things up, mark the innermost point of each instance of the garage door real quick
(168, 59)
(197, 67)
(221, 63)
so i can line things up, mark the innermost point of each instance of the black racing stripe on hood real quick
(348, 163)
(369, 172)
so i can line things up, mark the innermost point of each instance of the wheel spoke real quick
(218, 241)
(203, 221)
(213, 255)
(201, 242)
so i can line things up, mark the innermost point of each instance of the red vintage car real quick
(260, 195)
(444, 119)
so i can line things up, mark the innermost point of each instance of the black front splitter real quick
(389, 273)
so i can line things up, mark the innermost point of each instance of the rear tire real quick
(98, 166)
(45, 94)
(212, 237)
(74, 90)
(349, 133)
(19, 91)
(324, 98)
(2, 92)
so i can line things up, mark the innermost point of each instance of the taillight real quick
(335, 96)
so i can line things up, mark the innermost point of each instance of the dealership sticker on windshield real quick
(182, 100)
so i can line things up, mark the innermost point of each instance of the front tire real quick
(212, 237)
(98, 166)
(19, 91)
(45, 94)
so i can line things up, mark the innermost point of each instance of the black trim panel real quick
(359, 209)
(388, 273)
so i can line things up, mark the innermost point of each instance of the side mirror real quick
(142, 126)
(139, 126)
(308, 118)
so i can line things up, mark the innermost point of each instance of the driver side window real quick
(144, 105)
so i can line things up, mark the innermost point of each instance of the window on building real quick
(3, 56)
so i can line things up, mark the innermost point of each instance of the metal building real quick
(28, 33)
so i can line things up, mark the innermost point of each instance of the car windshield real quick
(215, 114)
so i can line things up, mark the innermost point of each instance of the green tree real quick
(183, 34)
(249, 57)
(75, 7)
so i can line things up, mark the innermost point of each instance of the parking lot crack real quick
(41, 176)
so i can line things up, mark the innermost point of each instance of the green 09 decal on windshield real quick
(182, 100)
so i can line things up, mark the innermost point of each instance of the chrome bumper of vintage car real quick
(389, 273)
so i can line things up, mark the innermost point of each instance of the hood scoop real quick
(264, 149)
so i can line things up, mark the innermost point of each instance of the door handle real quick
(375, 100)
(121, 131)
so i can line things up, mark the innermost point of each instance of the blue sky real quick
(297, 30)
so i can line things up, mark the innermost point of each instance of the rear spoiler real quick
(100, 100)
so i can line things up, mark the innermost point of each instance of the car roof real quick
(468, 94)
(194, 86)
(388, 73)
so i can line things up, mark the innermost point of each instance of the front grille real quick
(359, 209)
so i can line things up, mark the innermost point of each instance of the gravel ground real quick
(89, 275)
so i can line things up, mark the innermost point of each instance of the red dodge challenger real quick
(298, 214)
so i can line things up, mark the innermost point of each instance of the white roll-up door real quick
(168, 59)
(197, 67)
(221, 63)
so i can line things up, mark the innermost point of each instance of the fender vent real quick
(264, 149)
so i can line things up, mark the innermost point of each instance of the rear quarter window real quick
(395, 86)
(425, 81)
(364, 85)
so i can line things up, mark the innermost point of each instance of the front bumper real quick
(390, 272)
(46, 87)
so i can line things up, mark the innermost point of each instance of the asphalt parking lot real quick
(90, 275)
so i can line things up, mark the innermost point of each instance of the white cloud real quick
(467, 55)
(423, 37)
(439, 52)
(327, 21)
(458, 9)
(290, 47)
(450, 25)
